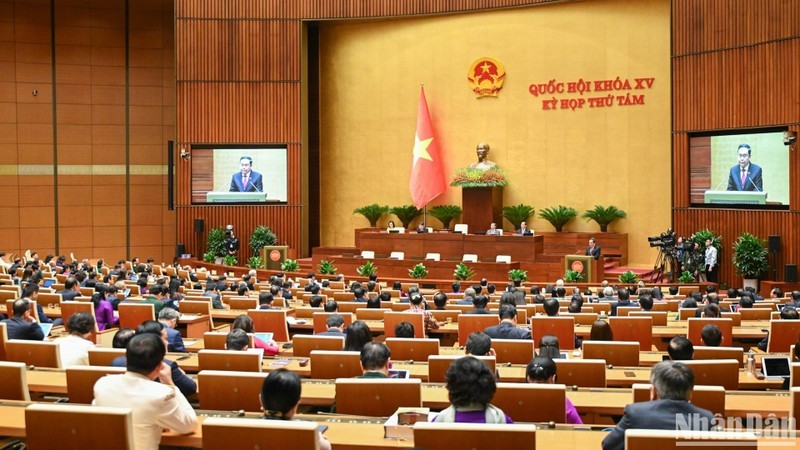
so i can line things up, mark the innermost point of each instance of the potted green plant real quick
(326, 267)
(628, 277)
(209, 257)
(215, 244)
(558, 216)
(517, 214)
(372, 212)
(406, 214)
(750, 258)
(262, 237)
(604, 215)
(445, 214)
(463, 272)
(703, 235)
(255, 262)
(418, 272)
(290, 265)
(686, 277)
(230, 260)
(367, 269)
(572, 276)
(518, 274)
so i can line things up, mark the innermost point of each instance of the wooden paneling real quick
(735, 66)
(710, 25)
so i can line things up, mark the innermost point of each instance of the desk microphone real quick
(752, 182)
(720, 184)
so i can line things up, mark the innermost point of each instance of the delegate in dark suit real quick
(594, 252)
(255, 183)
(18, 328)
(332, 332)
(175, 340)
(507, 330)
(752, 180)
(654, 415)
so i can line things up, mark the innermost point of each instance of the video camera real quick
(665, 240)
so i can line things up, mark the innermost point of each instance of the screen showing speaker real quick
(239, 174)
(740, 169)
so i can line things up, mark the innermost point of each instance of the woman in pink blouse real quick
(104, 312)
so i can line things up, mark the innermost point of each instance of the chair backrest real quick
(230, 390)
(696, 325)
(81, 380)
(243, 303)
(10, 307)
(735, 316)
(243, 361)
(320, 319)
(370, 313)
(685, 313)
(711, 398)
(3, 340)
(639, 439)
(794, 375)
(350, 307)
(447, 436)
(755, 313)
(794, 406)
(720, 372)
(15, 381)
(514, 351)
(35, 353)
(624, 311)
(584, 318)
(469, 257)
(304, 344)
(368, 254)
(335, 364)
(272, 321)
(438, 365)
(100, 356)
(782, 334)
(503, 259)
(248, 433)
(461, 228)
(412, 349)
(582, 372)
(46, 299)
(638, 329)
(617, 353)
(376, 397)
(470, 323)
(659, 317)
(131, 315)
(392, 318)
(561, 327)
(202, 307)
(703, 352)
(532, 402)
(77, 427)
(397, 255)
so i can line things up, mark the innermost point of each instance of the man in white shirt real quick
(711, 261)
(74, 348)
(155, 405)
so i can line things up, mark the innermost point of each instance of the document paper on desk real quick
(400, 425)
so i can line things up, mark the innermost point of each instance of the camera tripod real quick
(666, 266)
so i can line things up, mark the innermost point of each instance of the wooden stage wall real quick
(735, 66)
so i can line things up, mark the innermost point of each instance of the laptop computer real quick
(46, 327)
(49, 282)
(266, 337)
(775, 368)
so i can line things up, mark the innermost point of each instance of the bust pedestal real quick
(482, 206)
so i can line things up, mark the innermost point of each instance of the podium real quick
(735, 197)
(273, 256)
(481, 207)
(236, 197)
(586, 265)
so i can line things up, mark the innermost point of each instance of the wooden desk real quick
(194, 325)
(451, 246)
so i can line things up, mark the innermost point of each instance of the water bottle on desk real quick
(750, 366)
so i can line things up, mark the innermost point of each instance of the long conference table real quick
(454, 245)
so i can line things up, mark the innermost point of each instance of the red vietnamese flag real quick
(427, 176)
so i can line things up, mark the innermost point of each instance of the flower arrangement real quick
(474, 178)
